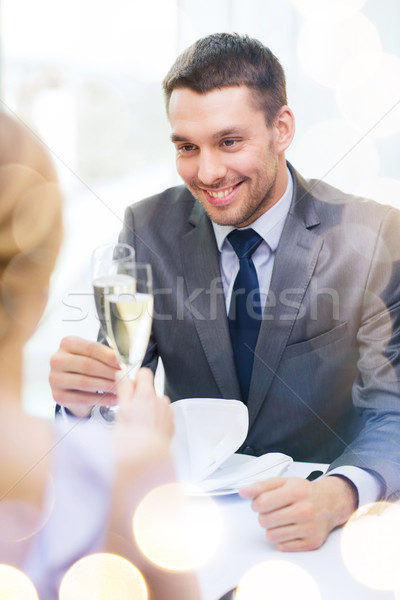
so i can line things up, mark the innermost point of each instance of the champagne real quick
(105, 286)
(130, 317)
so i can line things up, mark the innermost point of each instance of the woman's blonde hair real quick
(30, 221)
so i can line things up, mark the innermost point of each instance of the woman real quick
(68, 489)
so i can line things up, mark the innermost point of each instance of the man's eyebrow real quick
(227, 132)
(175, 137)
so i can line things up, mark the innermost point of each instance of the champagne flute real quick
(129, 315)
(124, 304)
(112, 272)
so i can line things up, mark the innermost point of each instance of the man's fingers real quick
(83, 383)
(72, 398)
(297, 514)
(302, 513)
(294, 546)
(66, 364)
(83, 374)
(76, 389)
(94, 350)
(302, 544)
(283, 534)
(261, 487)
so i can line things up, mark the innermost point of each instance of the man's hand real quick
(298, 514)
(79, 371)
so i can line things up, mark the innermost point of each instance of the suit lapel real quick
(206, 300)
(294, 264)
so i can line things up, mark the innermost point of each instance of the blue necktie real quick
(245, 310)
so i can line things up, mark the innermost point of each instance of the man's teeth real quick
(220, 194)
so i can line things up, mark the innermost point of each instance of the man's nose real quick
(211, 168)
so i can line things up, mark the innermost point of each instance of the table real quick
(244, 545)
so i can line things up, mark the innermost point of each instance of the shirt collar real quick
(269, 225)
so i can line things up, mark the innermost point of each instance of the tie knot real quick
(244, 242)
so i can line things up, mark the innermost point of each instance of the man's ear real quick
(284, 129)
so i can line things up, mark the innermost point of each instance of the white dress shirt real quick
(270, 226)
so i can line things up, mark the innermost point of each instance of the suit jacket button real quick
(248, 450)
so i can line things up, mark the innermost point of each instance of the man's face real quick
(226, 154)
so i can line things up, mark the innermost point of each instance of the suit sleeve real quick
(376, 390)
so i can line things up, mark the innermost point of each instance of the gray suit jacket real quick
(325, 384)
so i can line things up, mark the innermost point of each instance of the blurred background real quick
(85, 75)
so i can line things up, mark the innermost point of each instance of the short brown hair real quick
(229, 59)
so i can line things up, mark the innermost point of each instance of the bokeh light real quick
(19, 521)
(371, 545)
(368, 93)
(103, 577)
(384, 246)
(328, 10)
(333, 304)
(275, 580)
(15, 585)
(325, 49)
(361, 239)
(336, 152)
(177, 531)
(376, 330)
(384, 190)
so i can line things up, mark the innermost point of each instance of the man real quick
(319, 371)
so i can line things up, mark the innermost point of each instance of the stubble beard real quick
(247, 212)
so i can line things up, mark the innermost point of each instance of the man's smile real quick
(219, 197)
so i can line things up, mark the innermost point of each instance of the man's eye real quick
(186, 148)
(229, 143)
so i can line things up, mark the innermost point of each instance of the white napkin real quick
(208, 431)
(241, 470)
